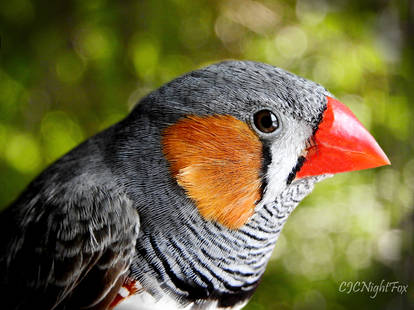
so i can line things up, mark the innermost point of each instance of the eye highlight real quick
(266, 121)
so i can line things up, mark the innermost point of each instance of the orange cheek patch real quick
(217, 160)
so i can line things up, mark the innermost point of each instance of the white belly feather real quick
(144, 301)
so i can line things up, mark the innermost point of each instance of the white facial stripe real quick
(285, 151)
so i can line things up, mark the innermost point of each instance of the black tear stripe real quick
(319, 119)
(302, 159)
(292, 174)
(266, 160)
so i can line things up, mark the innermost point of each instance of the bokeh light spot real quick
(228, 31)
(145, 54)
(291, 42)
(60, 133)
(96, 43)
(10, 90)
(389, 246)
(311, 12)
(253, 15)
(23, 153)
(359, 253)
(69, 67)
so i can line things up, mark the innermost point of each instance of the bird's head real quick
(236, 134)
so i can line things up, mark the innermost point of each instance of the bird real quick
(180, 204)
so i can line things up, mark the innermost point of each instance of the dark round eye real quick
(266, 121)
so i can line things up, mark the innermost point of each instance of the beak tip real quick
(381, 158)
(386, 162)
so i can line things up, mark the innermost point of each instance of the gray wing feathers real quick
(69, 255)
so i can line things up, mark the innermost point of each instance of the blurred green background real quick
(71, 68)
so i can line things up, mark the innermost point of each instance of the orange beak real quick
(341, 144)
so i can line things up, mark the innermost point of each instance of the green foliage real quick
(71, 68)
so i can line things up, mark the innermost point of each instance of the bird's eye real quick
(266, 121)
